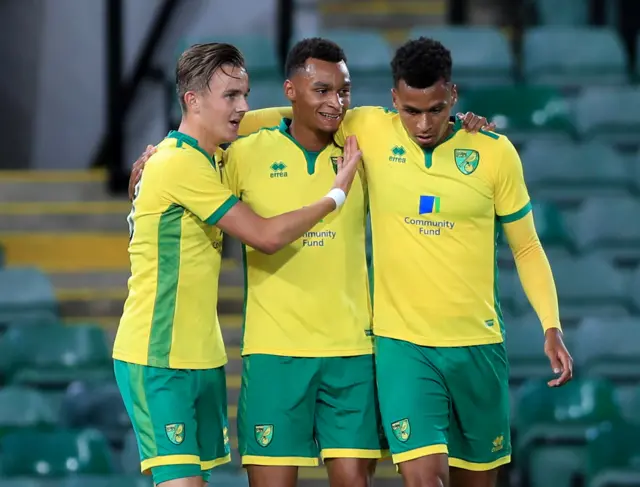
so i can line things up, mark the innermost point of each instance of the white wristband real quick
(338, 196)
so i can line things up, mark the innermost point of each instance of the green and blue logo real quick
(429, 204)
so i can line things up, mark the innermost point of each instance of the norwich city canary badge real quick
(401, 429)
(175, 432)
(467, 160)
(264, 434)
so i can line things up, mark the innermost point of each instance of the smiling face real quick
(320, 93)
(425, 112)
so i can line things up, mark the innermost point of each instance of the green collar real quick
(428, 153)
(309, 156)
(190, 141)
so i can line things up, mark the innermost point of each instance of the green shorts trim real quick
(293, 409)
(451, 400)
(179, 418)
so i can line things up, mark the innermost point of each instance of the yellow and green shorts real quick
(294, 409)
(179, 418)
(452, 400)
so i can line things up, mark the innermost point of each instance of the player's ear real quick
(289, 91)
(191, 101)
(394, 97)
(454, 94)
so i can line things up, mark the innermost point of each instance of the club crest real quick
(467, 160)
(401, 430)
(175, 432)
(264, 434)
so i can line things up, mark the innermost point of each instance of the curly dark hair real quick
(421, 63)
(314, 47)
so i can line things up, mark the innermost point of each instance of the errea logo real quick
(278, 170)
(397, 154)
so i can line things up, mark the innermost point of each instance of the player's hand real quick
(136, 170)
(561, 361)
(348, 164)
(472, 123)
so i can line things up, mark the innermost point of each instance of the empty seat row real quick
(555, 55)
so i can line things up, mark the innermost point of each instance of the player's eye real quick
(322, 91)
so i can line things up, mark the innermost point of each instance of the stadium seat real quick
(52, 356)
(610, 115)
(96, 405)
(55, 454)
(552, 425)
(551, 226)
(259, 52)
(525, 349)
(25, 293)
(368, 52)
(566, 13)
(522, 113)
(267, 94)
(573, 56)
(21, 407)
(589, 286)
(612, 455)
(130, 455)
(511, 294)
(490, 62)
(635, 285)
(566, 173)
(610, 227)
(609, 348)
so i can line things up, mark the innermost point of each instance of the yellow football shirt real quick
(311, 298)
(170, 317)
(435, 217)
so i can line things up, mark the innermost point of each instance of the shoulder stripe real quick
(492, 135)
(521, 213)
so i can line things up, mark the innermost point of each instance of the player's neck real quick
(204, 138)
(308, 138)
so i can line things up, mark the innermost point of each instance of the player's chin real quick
(231, 132)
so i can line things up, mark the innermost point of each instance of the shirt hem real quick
(308, 353)
(457, 342)
(136, 359)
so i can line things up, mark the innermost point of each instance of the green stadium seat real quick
(96, 405)
(511, 295)
(610, 227)
(267, 94)
(635, 285)
(25, 293)
(552, 174)
(610, 115)
(130, 455)
(613, 451)
(53, 357)
(522, 113)
(573, 56)
(565, 13)
(28, 482)
(21, 407)
(551, 226)
(609, 347)
(368, 52)
(489, 63)
(31, 453)
(259, 52)
(374, 96)
(552, 425)
(589, 286)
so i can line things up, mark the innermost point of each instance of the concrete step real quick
(82, 302)
(53, 186)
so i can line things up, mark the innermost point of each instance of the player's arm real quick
(255, 120)
(513, 208)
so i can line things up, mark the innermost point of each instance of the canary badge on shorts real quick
(264, 434)
(401, 430)
(175, 432)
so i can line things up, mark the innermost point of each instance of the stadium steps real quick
(65, 224)
(392, 15)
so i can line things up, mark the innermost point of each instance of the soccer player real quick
(438, 199)
(168, 354)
